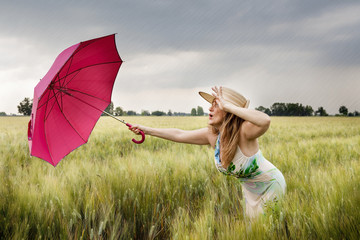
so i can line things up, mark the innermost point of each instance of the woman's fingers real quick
(219, 97)
(216, 92)
(215, 89)
(220, 92)
(135, 129)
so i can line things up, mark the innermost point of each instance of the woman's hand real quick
(137, 128)
(221, 102)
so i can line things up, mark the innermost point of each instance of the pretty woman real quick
(233, 132)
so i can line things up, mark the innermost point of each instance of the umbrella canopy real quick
(70, 98)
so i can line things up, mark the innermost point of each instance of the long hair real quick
(229, 137)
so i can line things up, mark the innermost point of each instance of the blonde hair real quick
(229, 137)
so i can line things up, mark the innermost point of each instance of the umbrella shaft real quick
(114, 117)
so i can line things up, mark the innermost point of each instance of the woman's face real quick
(216, 115)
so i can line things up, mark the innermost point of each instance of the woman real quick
(233, 132)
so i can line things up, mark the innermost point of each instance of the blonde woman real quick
(233, 132)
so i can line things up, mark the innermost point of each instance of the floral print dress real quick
(261, 181)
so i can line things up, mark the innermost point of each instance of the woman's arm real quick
(256, 122)
(199, 136)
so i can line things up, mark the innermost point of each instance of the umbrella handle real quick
(129, 125)
(30, 128)
(142, 135)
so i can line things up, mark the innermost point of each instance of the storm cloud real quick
(271, 51)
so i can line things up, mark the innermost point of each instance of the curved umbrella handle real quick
(30, 126)
(142, 135)
(30, 130)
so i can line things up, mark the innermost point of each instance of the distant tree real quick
(268, 111)
(193, 112)
(356, 113)
(145, 113)
(278, 109)
(292, 109)
(118, 111)
(343, 110)
(131, 113)
(260, 108)
(25, 107)
(158, 113)
(169, 113)
(264, 110)
(308, 111)
(200, 111)
(321, 111)
(2, 113)
(287, 109)
(180, 114)
(109, 109)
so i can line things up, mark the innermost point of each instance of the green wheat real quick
(111, 188)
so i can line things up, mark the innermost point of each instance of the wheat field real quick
(111, 188)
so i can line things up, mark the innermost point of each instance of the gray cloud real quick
(193, 44)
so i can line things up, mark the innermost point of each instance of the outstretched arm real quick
(199, 136)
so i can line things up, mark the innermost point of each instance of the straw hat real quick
(229, 95)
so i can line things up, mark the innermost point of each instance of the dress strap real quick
(217, 149)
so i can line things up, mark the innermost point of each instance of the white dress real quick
(261, 180)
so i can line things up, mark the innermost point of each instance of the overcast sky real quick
(270, 51)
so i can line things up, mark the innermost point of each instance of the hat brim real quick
(208, 97)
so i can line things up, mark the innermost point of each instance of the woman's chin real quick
(212, 123)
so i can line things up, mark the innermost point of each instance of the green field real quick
(111, 188)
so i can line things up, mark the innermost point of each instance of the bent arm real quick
(256, 122)
(199, 136)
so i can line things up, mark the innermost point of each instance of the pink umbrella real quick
(71, 97)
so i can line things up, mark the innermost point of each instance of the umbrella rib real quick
(57, 76)
(65, 84)
(78, 70)
(61, 95)
(61, 100)
(46, 105)
(67, 72)
(59, 79)
(62, 83)
(83, 100)
(87, 103)
(48, 114)
(46, 101)
(68, 120)
(73, 90)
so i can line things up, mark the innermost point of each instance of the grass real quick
(111, 188)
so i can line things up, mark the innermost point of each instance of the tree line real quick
(277, 109)
(296, 109)
(118, 111)
(25, 108)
